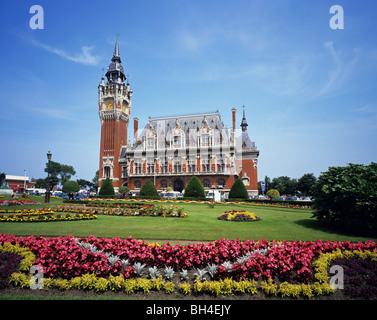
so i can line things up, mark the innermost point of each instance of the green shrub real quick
(107, 188)
(273, 194)
(194, 188)
(71, 186)
(148, 189)
(238, 190)
(346, 198)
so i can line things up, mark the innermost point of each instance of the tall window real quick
(220, 165)
(191, 164)
(163, 165)
(107, 172)
(177, 165)
(205, 140)
(150, 165)
(205, 163)
(138, 166)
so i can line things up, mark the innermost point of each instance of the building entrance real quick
(178, 185)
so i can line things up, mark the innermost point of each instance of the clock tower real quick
(114, 97)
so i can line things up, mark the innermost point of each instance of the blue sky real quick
(310, 91)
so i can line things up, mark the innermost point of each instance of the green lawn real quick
(201, 224)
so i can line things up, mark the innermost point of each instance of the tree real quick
(148, 189)
(57, 169)
(305, 183)
(84, 183)
(346, 198)
(284, 184)
(238, 190)
(107, 188)
(124, 190)
(71, 186)
(95, 180)
(194, 188)
(273, 194)
(42, 182)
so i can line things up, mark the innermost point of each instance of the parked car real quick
(172, 194)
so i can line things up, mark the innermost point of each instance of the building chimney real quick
(136, 128)
(234, 118)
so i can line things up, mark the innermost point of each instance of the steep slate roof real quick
(188, 122)
(162, 125)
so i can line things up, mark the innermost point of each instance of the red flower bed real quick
(68, 256)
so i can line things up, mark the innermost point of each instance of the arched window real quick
(206, 183)
(137, 184)
(221, 183)
(164, 184)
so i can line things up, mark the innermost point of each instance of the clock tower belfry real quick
(114, 98)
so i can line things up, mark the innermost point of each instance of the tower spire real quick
(116, 50)
(244, 122)
(115, 71)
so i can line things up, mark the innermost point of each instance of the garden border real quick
(226, 286)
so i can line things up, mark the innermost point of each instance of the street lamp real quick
(47, 196)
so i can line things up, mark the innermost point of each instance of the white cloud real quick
(84, 57)
(340, 71)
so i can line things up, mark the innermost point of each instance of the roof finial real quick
(116, 50)
(244, 122)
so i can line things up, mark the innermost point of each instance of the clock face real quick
(109, 105)
(124, 108)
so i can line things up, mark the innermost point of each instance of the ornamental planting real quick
(284, 268)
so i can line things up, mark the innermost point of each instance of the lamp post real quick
(47, 196)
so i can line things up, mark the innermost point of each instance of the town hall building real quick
(170, 150)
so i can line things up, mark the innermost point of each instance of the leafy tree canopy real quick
(124, 189)
(60, 171)
(346, 198)
(70, 186)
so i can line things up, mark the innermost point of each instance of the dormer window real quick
(205, 140)
(150, 143)
(177, 141)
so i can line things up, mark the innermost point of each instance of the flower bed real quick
(16, 202)
(129, 210)
(303, 206)
(238, 215)
(8, 264)
(88, 213)
(47, 217)
(284, 268)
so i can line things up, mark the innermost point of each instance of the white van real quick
(171, 194)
